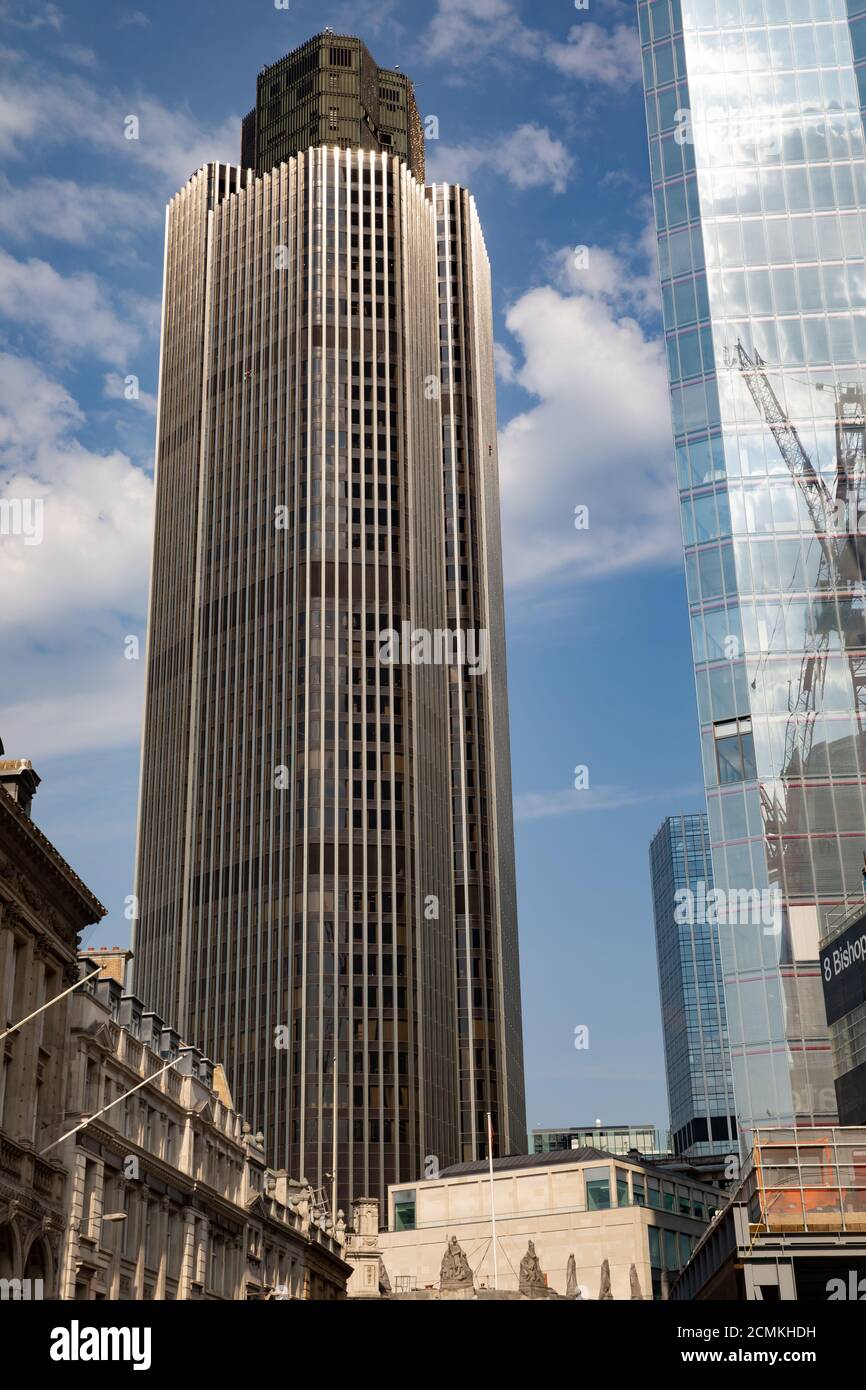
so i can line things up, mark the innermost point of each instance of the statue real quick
(341, 1227)
(303, 1208)
(572, 1288)
(604, 1292)
(384, 1281)
(531, 1277)
(455, 1272)
(634, 1282)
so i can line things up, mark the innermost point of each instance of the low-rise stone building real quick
(125, 1171)
(43, 908)
(170, 1194)
(586, 1223)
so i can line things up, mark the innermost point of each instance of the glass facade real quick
(691, 991)
(759, 183)
(612, 1139)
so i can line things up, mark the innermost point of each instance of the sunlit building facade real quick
(307, 909)
(759, 183)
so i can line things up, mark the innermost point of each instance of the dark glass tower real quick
(691, 990)
(330, 91)
(301, 877)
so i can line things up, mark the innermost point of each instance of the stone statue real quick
(531, 1277)
(455, 1272)
(341, 1227)
(302, 1205)
(572, 1288)
(604, 1292)
(634, 1282)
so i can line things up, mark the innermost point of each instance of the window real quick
(735, 751)
(404, 1210)
(621, 1187)
(597, 1188)
(638, 1187)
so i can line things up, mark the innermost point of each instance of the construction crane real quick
(841, 560)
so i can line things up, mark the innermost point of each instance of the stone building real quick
(163, 1192)
(170, 1195)
(609, 1226)
(43, 908)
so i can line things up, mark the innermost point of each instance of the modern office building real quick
(304, 913)
(490, 1038)
(843, 975)
(614, 1139)
(795, 1228)
(691, 990)
(614, 1216)
(759, 182)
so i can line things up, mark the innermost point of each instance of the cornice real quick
(19, 829)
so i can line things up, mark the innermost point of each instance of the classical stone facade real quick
(170, 1196)
(43, 908)
(125, 1171)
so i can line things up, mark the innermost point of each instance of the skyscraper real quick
(691, 990)
(304, 914)
(759, 182)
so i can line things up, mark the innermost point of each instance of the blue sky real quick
(540, 113)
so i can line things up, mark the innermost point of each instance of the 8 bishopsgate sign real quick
(843, 971)
(843, 975)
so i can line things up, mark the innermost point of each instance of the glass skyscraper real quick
(759, 182)
(691, 990)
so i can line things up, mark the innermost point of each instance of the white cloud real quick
(79, 54)
(57, 107)
(66, 682)
(70, 312)
(464, 32)
(93, 560)
(599, 435)
(78, 700)
(115, 387)
(595, 54)
(504, 361)
(30, 16)
(67, 211)
(530, 806)
(624, 275)
(528, 157)
(133, 19)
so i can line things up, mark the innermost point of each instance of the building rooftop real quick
(513, 1161)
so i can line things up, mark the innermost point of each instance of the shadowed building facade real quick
(691, 990)
(295, 881)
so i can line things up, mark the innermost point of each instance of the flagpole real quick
(334, 1152)
(492, 1201)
